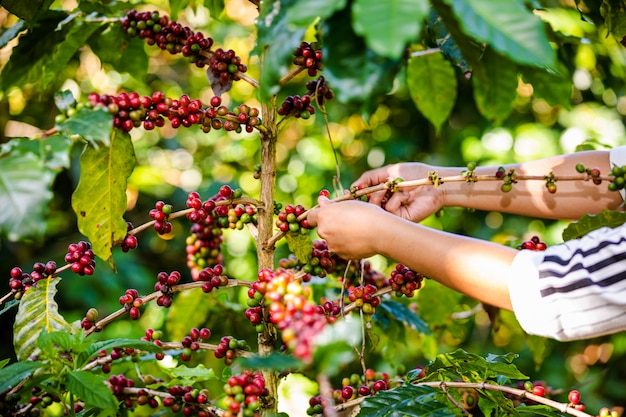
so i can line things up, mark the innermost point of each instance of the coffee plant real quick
(212, 335)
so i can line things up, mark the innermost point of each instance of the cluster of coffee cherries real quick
(81, 258)
(226, 66)
(302, 107)
(607, 412)
(534, 243)
(363, 297)
(130, 241)
(594, 173)
(244, 393)
(191, 342)
(154, 336)
(212, 278)
(21, 281)
(160, 214)
(131, 110)
(508, 178)
(203, 246)
(116, 353)
(287, 220)
(619, 178)
(131, 303)
(41, 400)
(165, 282)
(218, 116)
(191, 401)
(90, 319)
(308, 55)
(359, 273)
(405, 281)
(227, 349)
(290, 309)
(331, 309)
(353, 387)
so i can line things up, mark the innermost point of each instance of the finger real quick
(396, 201)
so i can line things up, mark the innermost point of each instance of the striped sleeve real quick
(574, 290)
(577, 289)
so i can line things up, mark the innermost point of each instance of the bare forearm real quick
(473, 267)
(531, 198)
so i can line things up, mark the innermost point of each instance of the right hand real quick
(414, 203)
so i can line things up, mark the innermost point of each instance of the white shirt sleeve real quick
(577, 289)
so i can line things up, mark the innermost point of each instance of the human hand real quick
(350, 228)
(411, 203)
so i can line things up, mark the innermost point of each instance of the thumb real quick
(312, 216)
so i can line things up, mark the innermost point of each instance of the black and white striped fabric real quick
(574, 290)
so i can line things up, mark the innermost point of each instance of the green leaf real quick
(38, 311)
(33, 51)
(198, 373)
(49, 342)
(114, 47)
(11, 375)
(91, 388)
(474, 367)
(436, 302)
(590, 222)
(613, 13)
(25, 192)
(11, 33)
(433, 87)
(444, 32)
(8, 306)
(401, 313)
(508, 27)
(99, 201)
(276, 40)
(29, 11)
(94, 348)
(176, 6)
(388, 26)
(495, 86)
(216, 7)
(355, 73)
(76, 38)
(406, 400)
(300, 245)
(554, 88)
(189, 309)
(304, 12)
(94, 125)
(4, 362)
(274, 361)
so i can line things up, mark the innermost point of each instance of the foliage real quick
(440, 80)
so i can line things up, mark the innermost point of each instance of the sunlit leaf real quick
(590, 222)
(389, 26)
(508, 27)
(335, 346)
(99, 201)
(300, 245)
(304, 12)
(433, 87)
(38, 311)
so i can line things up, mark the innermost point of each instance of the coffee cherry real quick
(574, 397)
(580, 168)
(539, 390)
